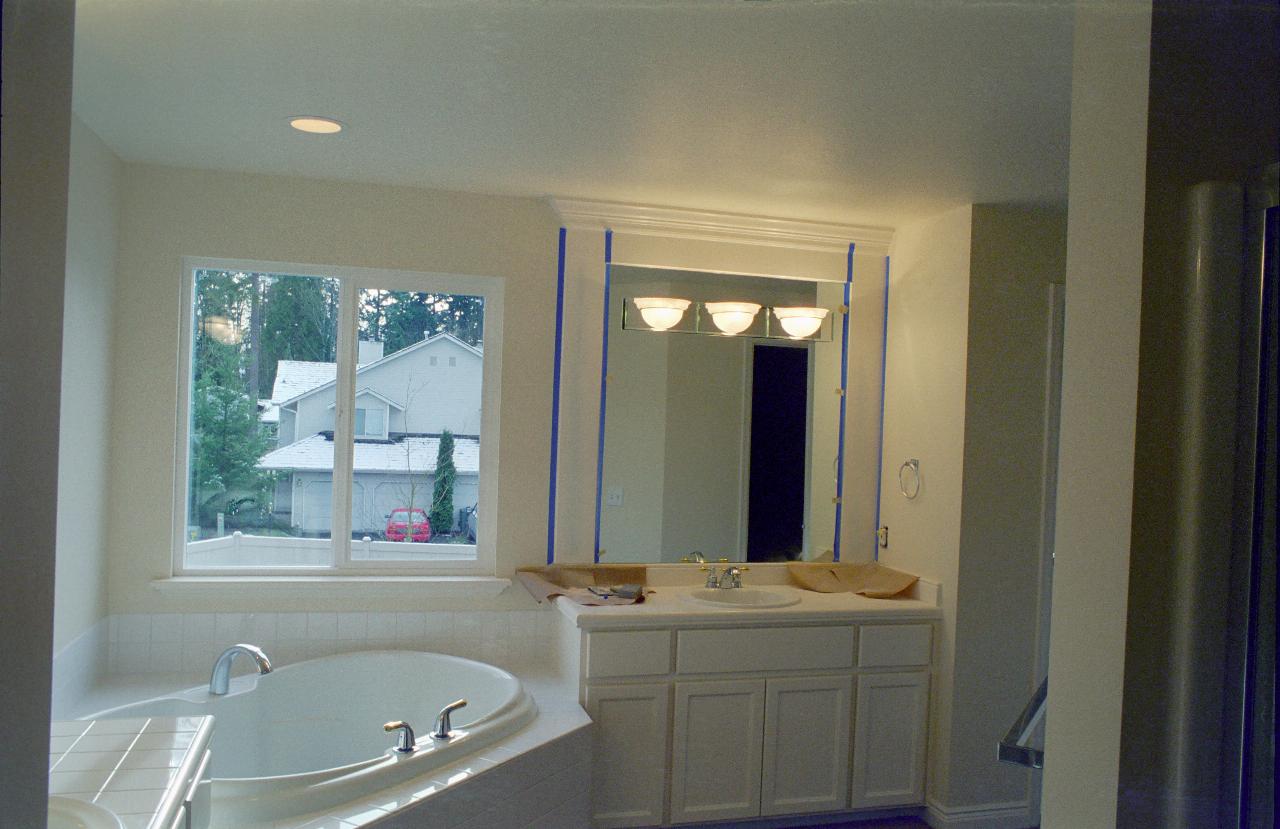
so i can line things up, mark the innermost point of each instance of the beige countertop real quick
(667, 605)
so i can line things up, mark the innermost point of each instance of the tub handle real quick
(406, 742)
(444, 729)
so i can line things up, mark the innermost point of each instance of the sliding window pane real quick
(416, 472)
(263, 366)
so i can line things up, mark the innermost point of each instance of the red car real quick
(398, 525)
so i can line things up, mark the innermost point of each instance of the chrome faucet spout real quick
(220, 679)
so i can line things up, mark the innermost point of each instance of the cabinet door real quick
(806, 745)
(629, 753)
(889, 739)
(716, 750)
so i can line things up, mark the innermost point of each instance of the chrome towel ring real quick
(909, 478)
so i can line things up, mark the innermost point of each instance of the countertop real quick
(133, 767)
(670, 605)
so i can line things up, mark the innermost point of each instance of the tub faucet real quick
(220, 679)
(444, 729)
(406, 742)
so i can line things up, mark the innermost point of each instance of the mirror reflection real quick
(717, 444)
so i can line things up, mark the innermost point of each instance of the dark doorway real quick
(779, 419)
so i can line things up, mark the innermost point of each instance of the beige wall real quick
(1099, 390)
(83, 471)
(1016, 252)
(704, 497)
(968, 319)
(169, 213)
(35, 106)
(925, 419)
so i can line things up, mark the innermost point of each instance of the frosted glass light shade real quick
(732, 317)
(800, 322)
(661, 312)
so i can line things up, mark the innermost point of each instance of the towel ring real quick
(909, 485)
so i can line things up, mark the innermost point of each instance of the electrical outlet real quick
(613, 496)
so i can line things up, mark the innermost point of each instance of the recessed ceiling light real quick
(315, 124)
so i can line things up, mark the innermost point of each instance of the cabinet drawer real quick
(744, 650)
(628, 653)
(894, 646)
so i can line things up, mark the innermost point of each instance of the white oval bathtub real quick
(309, 736)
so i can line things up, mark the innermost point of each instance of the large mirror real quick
(725, 445)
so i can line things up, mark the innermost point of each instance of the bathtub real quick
(309, 736)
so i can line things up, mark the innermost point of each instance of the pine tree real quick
(442, 494)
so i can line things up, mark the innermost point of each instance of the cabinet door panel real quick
(806, 745)
(716, 750)
(889, 739)
(629, 753)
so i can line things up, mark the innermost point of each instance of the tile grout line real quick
(120, 762)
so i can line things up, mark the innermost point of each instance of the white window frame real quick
(443, 562)
(382, 433)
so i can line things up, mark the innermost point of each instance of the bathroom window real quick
(321, 435)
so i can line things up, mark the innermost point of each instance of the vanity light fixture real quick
(800, 322)
(661, 312)
(732, 317)
(315, 124)
(222, 329)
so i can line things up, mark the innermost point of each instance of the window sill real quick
(452, 587)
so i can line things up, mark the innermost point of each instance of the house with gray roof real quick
(404, 402)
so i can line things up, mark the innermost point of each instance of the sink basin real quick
(746, 598)
(69, 813)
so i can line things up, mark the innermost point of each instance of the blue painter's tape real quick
(844, 402)
(604, 377)
(555, 402)
(884, 357)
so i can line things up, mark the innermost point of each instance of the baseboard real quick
(1016, 815)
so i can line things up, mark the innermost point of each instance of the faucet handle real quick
(444, 729)
(406, 742)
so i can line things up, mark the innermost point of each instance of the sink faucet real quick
(731, 577)
(712, 580)
(220, 679)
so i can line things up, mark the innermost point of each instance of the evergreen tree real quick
(299, 322)
(442, 494)
(227, 440)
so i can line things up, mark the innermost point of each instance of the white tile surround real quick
(172, 643)
(539, 777)
(127, 765)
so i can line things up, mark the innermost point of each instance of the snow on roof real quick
(295, 377)
(268, 411)
(331, 379)
(315, 454)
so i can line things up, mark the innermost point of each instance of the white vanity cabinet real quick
(695, 723)
(629, 754)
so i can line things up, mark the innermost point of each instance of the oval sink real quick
(747, 598)
(69, 813)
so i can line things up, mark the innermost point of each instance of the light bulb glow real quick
(315, 124)
(800, 322)
(732, 317)
(661, 312)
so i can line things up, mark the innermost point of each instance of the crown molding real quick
(713, 226)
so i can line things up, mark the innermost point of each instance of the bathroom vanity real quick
(710, 711)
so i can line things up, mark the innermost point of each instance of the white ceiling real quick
(866, 112)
